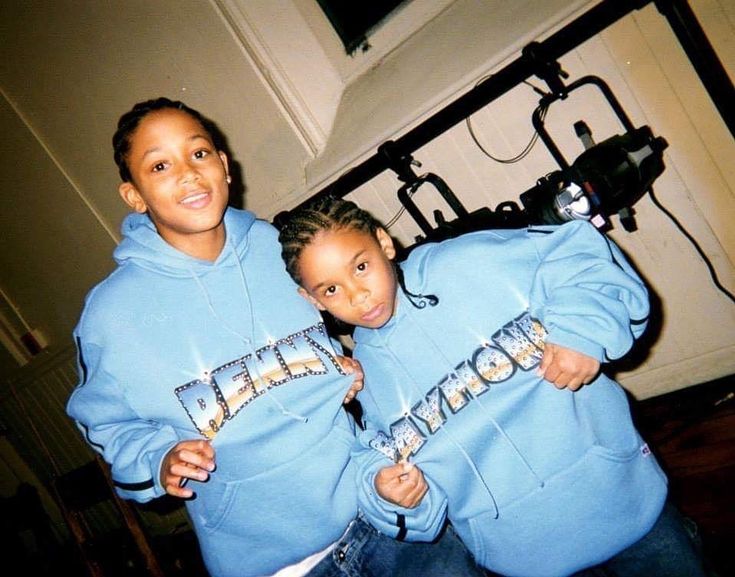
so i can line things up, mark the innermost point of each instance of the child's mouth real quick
(196, 200)
(373, 313)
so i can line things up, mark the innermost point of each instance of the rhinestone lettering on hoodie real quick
(519, 344)
(211, 402)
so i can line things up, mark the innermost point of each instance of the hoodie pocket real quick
(280, 515)
(580, 517)
(322, 474)
(605, 419)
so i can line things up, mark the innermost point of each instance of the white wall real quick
(298, 114)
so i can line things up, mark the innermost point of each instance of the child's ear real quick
(132, 197)
(386, 243)
(303, 292)
(223, 158)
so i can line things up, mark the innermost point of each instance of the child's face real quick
(349, 273)
(178, 177)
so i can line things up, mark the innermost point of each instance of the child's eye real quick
(330, 291)
(159, 166)
(362, 267)
(199, 154)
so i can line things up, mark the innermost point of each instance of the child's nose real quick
(189, 174)
(359, 295)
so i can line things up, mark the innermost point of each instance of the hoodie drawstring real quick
(449, 436)
(248, 341)
(487, 412)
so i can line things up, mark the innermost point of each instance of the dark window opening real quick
(354, 20)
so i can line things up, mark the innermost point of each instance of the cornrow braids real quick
(129, 121)
(299, 227)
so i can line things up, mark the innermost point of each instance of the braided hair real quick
(129, 121)
(299, 227)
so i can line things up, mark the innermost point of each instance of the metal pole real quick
(695, 43)
(680, 17)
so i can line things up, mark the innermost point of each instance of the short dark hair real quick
(129, 121)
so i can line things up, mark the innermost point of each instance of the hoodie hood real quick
(143, 245)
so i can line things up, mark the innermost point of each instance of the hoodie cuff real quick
(577, 343)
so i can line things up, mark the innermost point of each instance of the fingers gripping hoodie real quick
(173, 348)
(537, 481)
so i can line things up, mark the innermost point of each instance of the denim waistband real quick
(357, 534)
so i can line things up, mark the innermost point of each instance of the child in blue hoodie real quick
(197, 350)
(458, 345)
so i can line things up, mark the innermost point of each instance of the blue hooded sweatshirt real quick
(173, 348)
(538, 482)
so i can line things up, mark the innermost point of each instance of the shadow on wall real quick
(237, 186)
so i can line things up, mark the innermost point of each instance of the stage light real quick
(607, 178)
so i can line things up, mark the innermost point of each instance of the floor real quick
(692, 432)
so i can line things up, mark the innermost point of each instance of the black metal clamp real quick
(402, 164)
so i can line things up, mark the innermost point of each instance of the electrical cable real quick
(697, 247)
(542, 112)
(542, 108)
(396, 216)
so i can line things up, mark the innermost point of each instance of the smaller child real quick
(539, 480)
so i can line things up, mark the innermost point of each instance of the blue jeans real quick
(670, 549)
(363, 552)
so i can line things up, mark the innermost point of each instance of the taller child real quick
(197, 350)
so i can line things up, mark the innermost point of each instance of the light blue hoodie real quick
(538, 482)
(173, 348)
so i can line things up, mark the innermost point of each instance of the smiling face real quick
(179, 178)
(349, 273)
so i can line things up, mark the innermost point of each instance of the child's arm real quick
(402, 484)
(352, 367)
(585, 293)
(422, 512)
(134, 447)
(186, 460)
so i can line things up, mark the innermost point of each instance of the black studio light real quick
(607, 178)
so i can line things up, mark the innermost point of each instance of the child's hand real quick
(401, 484)
(567, 368)
(352, 367)
(186, 460)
